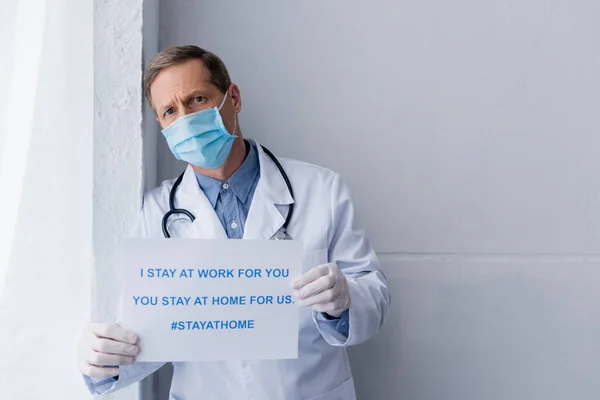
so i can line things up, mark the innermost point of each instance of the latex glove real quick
(106, 345)
(325, 288)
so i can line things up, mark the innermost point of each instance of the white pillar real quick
(46, 196)
(118, 146)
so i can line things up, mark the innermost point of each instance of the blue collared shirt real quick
(231, 199)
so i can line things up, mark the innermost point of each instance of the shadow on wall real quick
(157, 385)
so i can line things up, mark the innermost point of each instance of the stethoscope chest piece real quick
(282, 234)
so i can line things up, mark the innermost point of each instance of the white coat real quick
(324, 222)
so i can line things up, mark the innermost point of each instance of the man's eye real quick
(198, 99)
(169, 112)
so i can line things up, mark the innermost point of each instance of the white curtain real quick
(46, 112)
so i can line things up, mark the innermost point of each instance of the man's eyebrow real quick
(196, 93)
(192, 94)
(165, 107)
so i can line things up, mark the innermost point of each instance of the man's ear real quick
(236, 97)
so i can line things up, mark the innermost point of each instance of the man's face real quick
(185, 88)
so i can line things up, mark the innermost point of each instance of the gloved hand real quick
(325, 288)
(106, 345)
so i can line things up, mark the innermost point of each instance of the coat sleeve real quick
(128, 375)
(350, 249)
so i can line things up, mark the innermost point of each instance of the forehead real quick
(184, 77)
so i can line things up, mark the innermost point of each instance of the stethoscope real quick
(281, 234)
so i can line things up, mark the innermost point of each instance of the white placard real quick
(206, 300)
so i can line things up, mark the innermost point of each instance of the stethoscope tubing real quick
(175, 211)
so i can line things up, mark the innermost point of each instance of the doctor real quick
(233, 189)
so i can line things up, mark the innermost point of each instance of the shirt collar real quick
(241, 182)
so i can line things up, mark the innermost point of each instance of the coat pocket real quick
(344, 391)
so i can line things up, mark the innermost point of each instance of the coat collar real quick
(272, 181)
(190, 197)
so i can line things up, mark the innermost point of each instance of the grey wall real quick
(150, 46)
(469, 132)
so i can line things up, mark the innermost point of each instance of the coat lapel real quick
(264, 218)
(190, 197)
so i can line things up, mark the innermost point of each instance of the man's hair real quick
(217, 71)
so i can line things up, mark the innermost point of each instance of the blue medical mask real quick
(201, 138)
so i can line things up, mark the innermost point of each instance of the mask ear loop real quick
(223, 101)
(235, 115)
